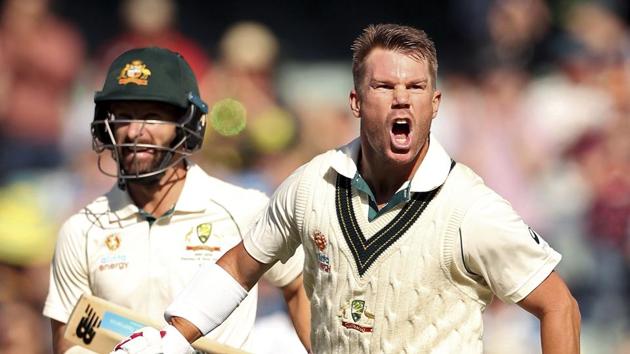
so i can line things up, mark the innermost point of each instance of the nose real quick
(401, 97)
(136, 129)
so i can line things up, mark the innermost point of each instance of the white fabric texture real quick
(207, 309)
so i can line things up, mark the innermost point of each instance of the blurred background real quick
(536, 99)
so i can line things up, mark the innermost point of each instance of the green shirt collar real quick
(401, 196)
(151, 219)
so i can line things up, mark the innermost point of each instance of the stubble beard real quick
(132, 166)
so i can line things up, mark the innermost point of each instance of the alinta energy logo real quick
(87, 325)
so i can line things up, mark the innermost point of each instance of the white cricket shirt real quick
(108, 249)
(490, 251)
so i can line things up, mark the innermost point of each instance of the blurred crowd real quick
(540, 109)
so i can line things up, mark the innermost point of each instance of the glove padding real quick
(149, 340)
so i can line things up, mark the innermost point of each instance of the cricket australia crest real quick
(135, 72)
(205, 242)
(354, 315)
(204, 231)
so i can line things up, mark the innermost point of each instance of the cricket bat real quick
(98, 325)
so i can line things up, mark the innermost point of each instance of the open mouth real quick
(400, 131)
(401, 127)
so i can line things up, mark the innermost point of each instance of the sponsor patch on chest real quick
(113, 262)
(320, 248)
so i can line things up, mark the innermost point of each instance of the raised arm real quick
(558, 313)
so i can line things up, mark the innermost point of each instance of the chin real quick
(399, 157)
(139, 168)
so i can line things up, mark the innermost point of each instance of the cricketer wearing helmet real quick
(165, 218)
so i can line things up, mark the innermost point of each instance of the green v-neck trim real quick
(366, 251)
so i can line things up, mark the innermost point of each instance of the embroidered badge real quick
(354, 315)
(135, 72)
(204, 231)
(112, 242)
(320, 240)
(320, 243)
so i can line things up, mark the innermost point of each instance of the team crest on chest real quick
(204, 231)
(354, 315)
(320, 244)
(112, 242)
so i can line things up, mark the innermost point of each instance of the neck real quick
(159, 197)
(385, 177)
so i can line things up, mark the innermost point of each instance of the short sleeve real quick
(68, 273)
(281, 274)
(276, 236)
(253, 210)
(498, 246)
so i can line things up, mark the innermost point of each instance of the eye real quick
(120, 116)
(383, 86)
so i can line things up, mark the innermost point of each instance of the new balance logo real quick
(86, 327)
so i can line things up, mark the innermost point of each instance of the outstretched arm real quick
(196, 312)
(299, 310)
(558, 313)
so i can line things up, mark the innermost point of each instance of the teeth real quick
(400, 121)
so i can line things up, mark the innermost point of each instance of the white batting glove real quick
(149, 340)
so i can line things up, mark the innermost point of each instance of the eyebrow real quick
(391, 82)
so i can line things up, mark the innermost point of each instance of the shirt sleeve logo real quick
(534, 235)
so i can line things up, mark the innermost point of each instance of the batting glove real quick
(149, 340)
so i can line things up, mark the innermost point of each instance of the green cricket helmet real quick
(150, 74)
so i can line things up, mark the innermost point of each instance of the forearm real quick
(60, 345)
(560, 330)
(245, 269)
(214, 292)
(186, 328)
(300, 313)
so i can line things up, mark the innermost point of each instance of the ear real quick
(435, 102)
(355, 103)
